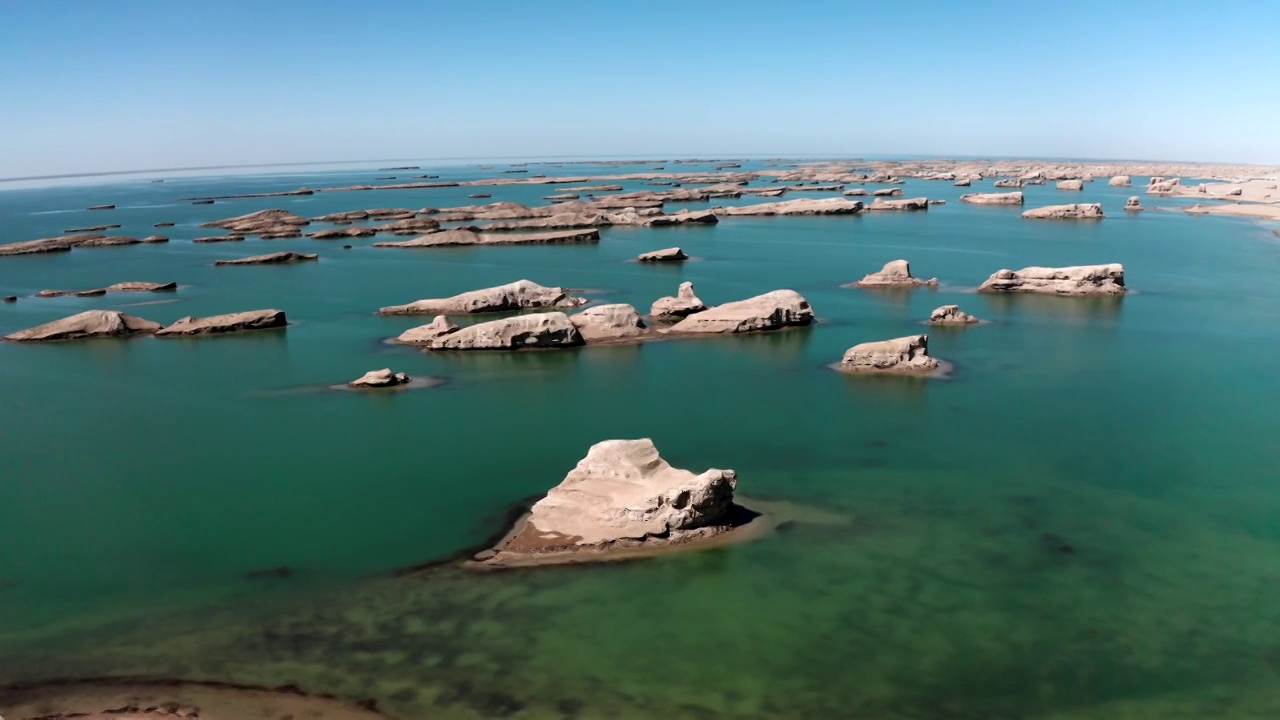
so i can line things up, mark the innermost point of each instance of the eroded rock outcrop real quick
(465, 237)
(1007, 183)
(1077, 211)
(673, 254)
(684, 303)
(110, 241)
(519, 295)
(894, 274)
(908, 355)
(263, 221)
(277, 258)
(117, 287)
(62, 243)
(610, 323)
(622, 495)
(1070, 184)
(1075, 280)
(887, 192)
(951, 315)
(803, 206)
(907, 204)
(524, 332)
(228, 323)
(1133, 204)
(1120, 181)
(88, 324)
(383, 378)
(770, 311)
(1009, 198)
(701, 217)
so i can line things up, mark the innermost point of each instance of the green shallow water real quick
(1081, 522)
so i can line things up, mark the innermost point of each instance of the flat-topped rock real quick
(1133, 204)
(887, 192)
(951, 315)
(908, 355)
(906, 204)
(1077, 211)
(623, 494)
(1008, 183)
(1009, 198)
(88, 324)
(802, 206)
(228, 323)
(1075, 184)
(770, 311)
(219, 238)
(965, 182)
(1160, 186)
(685, 217)
(111, 241)
(855, 192)
(117, 287)
(277, 258)
(154, 239)
(672, 254)
(408, 226)
(62, 244)
(519, 295)
(609, 323)
(163, 224)
(337, 233)
(684, 303)
(102, 207)
(383, 378)
(1120, 181)
(546, 330)
(1076, 280)
(258, 222)
(464, 237)
(894, 274)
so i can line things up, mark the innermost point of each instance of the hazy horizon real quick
(155, 86)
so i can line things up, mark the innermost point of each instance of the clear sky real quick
(91, 86)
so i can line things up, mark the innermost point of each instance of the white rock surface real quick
(523, 332)
(770, 311)
(900, 355)
(1077, 211)
(951, 315)
(685, 302)
(519, 295)
(895, 273)
(88, 324)
(609, 323)
(1074, 280)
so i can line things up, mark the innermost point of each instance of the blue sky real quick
(94, 86)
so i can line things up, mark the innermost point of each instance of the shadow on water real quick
(1074, 308)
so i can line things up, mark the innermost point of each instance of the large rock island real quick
(770, 311)
(622, 498)
(519, 295)
(906, 355)
(540, 331)
(894, 274)
(228, 323)
(88, 324)
(1076, 280)
(1077, 211)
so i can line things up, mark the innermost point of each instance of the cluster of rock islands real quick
(623, 496)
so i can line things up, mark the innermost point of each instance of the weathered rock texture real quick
(278, 258)
(901, 355)
(894, 274)
(537, 331)
(684, 303)
(1077, 211)
(907, 204)
(1120, 181)
(1070, 185)
(117, 287)
(623, 494)
(674, 254)
(229, 323)
(519, 295)
(461, 237)
(1009, 198)
(380, 379)
(610, 323)
(804, 206)
(770, 311)
(1133, 204)
(951, 315)
(1077, 280)
(88, 324)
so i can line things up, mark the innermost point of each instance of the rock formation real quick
(63, 243)
(536, 331)
(1009, 198)
(622, 495)
(1076, 280)
(1133, 204)
(336, 233)
(463, 237)
(671, 309)
(770, 311)
(1008, 183)
(229, 323)
(118, 287)
(1070, 185)
(804, 206)
(894, 274)
(673, 254)
(887, 192)
(1120, 181)
(908, 204)
(277, 258)
(901, 355)
(855, 192)
(111, 241)
(262, 221)
(383, 378)
(684, 217)
(962, 183)
(1160, 186)
(609, 323)
(151, 239)
(1078, 211)
(519, 295)
(88, 324)
(951, 315)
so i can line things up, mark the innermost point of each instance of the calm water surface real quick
(1082, 522)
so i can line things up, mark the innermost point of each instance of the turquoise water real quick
(1080, 523)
